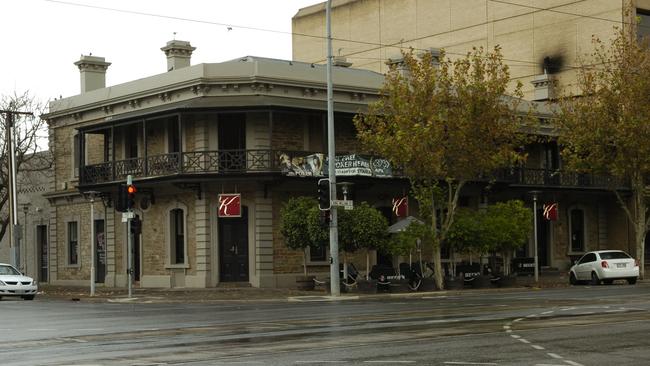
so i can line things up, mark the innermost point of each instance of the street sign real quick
(127, 215)
(348, 205)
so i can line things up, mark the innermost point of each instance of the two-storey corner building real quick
(251, 126)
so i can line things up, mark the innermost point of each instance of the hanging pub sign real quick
(401, 206)
(550, 211)
(229, 205)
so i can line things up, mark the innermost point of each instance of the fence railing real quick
(274, 161)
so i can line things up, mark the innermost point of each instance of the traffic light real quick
(130, 191)
(325, 218)
(324, 202)
(136, 225)
(122, 198)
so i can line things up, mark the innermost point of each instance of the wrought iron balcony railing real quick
(276, 161)
(196, 162)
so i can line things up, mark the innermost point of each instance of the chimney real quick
(341, 61)
(544, 87)
(398, 63)
(93, 72)
(178, 54)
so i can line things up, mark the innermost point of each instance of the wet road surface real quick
(575, 326)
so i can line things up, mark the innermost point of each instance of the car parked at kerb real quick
(14, 283)
(604, 266)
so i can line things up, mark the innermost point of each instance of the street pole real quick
(129, 245)
(23, 249)
(11, 184)
(91, 196)
(331, 147)
(535, 233)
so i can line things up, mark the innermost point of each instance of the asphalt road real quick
(602, 325)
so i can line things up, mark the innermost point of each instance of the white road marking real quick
(509, 331)
(469, 363)
(506, 327)
(89, 329)
(524, 341)
(555, 355)
(518, 319)
(531, 316)
(547, 312)
(537, 347)
(41, 330)
(72, 340)
(573, 363)
(388, 361)
(515, 336)
(308, 362)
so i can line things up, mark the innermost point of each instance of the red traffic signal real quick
(130, 189)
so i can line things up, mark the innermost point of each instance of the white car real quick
(14, 283)
(605, 266)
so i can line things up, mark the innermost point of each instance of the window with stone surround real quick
(73, 243)
(177, 237)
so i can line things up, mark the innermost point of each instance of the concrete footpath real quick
(251, 294)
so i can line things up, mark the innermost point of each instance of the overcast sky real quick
(41, 39)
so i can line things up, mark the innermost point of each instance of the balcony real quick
(237, 162)
(197, 162)
(546, 178)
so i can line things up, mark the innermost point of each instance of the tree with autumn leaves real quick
(445, 122)
(606, 128)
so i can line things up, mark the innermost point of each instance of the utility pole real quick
(535, 193)
(129, 242)
(11, 184)
(331, 147)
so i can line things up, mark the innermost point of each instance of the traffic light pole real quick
(331, 147)
(129, 244)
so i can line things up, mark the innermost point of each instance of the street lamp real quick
(23, 243)
(91, 196)
(535, 193)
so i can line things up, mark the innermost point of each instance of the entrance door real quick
(100, 252)
(233, 248)
(42, 255)
(136, 255)
(543, 239)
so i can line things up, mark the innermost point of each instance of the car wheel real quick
(631, 281)
(608, 282)
(28, 297)
(572, 279)
(594, 279)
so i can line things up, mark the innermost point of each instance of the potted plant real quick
(364, 227)
(295, 230)
(507, 227)
(467, 236)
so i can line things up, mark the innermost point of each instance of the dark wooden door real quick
(100, 252)
(233, 248)
(543, 239)
(232, 142)
(41, 239)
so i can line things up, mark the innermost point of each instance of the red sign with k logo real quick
(230, 205)
(401, 206)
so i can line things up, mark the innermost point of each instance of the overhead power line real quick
(376, 45)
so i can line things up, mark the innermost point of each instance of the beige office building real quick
(536, 36)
